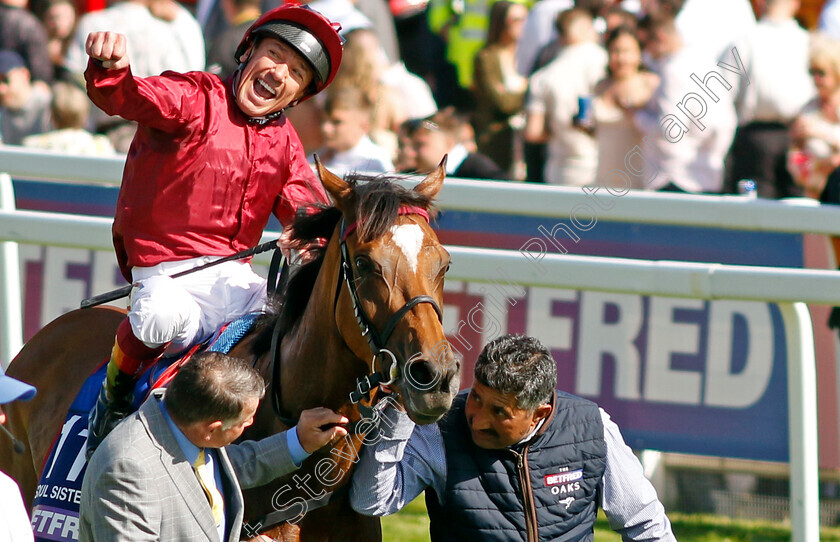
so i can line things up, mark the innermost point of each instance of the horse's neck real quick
(319, 368)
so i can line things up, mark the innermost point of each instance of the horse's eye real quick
(363, 264)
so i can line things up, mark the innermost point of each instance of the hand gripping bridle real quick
(376, 341)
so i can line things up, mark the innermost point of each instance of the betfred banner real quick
(677, 375)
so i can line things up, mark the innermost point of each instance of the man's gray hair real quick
(213, 386)
(518, 365)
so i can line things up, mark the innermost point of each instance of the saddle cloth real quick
(55, 509)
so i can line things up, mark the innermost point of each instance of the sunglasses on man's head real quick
(413, 125)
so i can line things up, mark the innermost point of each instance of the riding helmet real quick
(311, 34)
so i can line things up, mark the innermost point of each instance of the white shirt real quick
(775, 55)
(153, 45)
(695, 162)
(366, 156)
(713, 25)
(830, 19)
(14, 521)
(554, 92)
(344, 12)
(455, 157)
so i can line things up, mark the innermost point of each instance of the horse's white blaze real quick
(409, 237)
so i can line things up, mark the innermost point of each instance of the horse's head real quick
(395, 266)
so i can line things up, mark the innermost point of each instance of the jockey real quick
(211, 160)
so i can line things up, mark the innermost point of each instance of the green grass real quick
(412, 525)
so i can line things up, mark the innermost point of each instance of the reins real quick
(376, 342)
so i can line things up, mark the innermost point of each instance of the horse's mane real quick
(377, 203)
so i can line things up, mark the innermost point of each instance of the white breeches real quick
(189, 309)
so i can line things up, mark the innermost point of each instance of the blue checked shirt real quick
(408, 459)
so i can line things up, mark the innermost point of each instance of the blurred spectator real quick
(307, 117)
(22, 32)
(829, 22)
(363, 67)
(347, 146)
(712, 26)
(69, 108)
(443, 134)
(155, 44)
(831, 195)
(24, 107)
(379, 13)
(554, 98)
(406, 160)
(463, 26)
(343, 12)
(412, 94)
(815, 133)
(775, 56)
(616, 16)
(539, 31)
(60, 23)
(627, 87)
(499, 89)
(240, 14)
(687, 151)
(540, 27)
(14, 522)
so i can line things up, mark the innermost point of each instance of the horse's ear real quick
(433, 182)
(340, 191)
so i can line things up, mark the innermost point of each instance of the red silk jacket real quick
(199, 179)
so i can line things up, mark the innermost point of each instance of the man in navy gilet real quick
(513, 459)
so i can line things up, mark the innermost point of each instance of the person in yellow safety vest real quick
(463, 26)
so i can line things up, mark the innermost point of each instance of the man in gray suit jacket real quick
(141, 484)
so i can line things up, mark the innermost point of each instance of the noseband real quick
(376, 341)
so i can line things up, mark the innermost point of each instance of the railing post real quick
(11, 328)
(802, 423)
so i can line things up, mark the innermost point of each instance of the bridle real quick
(376, 341)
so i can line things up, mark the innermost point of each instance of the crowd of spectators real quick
(683, 95)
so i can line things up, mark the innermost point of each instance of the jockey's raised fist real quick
(109, 48)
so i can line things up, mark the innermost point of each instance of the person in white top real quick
(775, 56)
(690, 121)
(70, 108)
(168, 38)
(829, 21)
(161, 35)
(14, 521)
(553, 102)
(538, 32)
(347, 146)
(709, 26)
(627, 87)
(815, 133)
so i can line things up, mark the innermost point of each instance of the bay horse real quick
(366, 311)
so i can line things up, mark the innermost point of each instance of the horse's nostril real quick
(421, 374)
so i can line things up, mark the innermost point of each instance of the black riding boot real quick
(113, 404)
